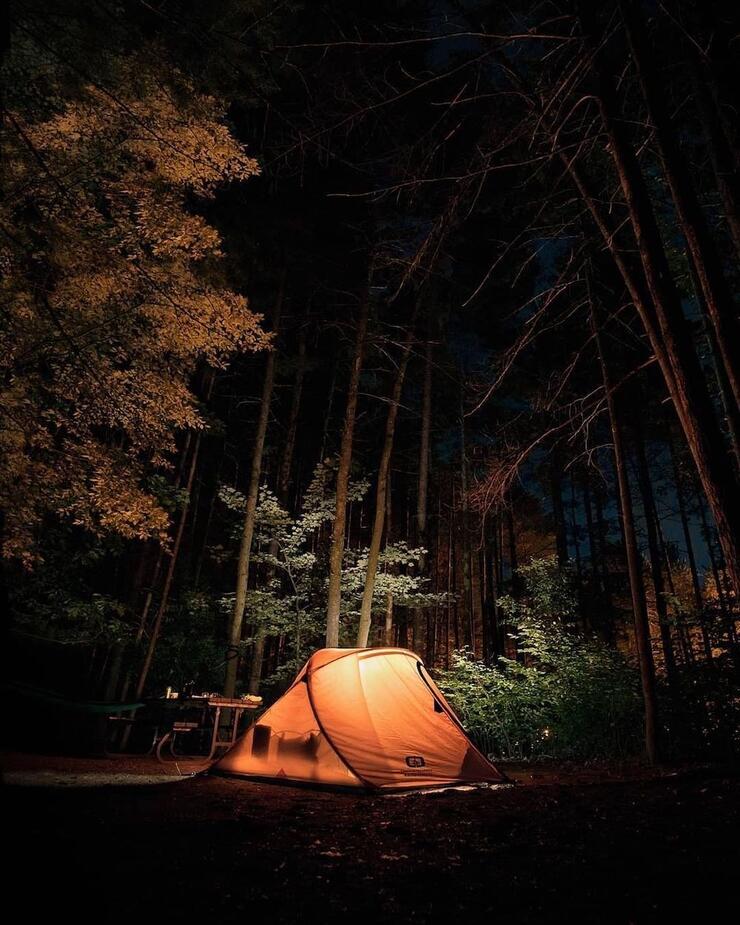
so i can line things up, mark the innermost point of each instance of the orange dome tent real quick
(360, 718)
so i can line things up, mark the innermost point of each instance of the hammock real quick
(30, 692)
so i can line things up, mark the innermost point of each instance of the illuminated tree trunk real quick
(467, 609)
(634, 562)
(245, 546)
(336, 551)
(381, 492)
(388, 628)
(422, 494)
(283, 482)
(433, 621)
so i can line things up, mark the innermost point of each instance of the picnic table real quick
(211, 711)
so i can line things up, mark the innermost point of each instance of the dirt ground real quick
(120, 840)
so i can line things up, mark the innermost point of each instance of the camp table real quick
(239, 707)
(214, 705)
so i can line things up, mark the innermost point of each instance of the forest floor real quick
(126, 839)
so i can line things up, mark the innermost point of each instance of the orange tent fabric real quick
(360, 718)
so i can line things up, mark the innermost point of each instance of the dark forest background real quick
(411, 323)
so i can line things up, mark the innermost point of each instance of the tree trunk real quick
(656, 571)
(723, 162)
(634, 562)
(494, 633)
(467, 598)
(381, 492)
(170, 573)
(558, 515)
(336, 552)
(283, 483)
(245, 546)
(153, 583)
(725, 606)
(658, 306)
(598, 564)
(388, 628)
(423, 483)
(695, 583)
(283, 480)
(667, 328)
(577, 548)
(703, 253)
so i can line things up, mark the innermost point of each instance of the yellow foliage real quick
(111, 285)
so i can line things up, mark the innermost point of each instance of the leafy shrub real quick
(700, 710)
(570, 696)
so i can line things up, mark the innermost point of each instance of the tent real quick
(371, 719)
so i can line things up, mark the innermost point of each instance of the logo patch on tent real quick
(415, 761)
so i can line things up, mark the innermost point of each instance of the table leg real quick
(214, 734)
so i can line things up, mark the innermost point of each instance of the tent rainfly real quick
(369, 719)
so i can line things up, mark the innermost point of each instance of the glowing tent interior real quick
(360, 718)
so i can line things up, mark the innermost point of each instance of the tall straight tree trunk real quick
(497, 630)
(558, 514)
(656, 301)
(681, 630)
(725, 605)
(724, 166)
(577, 548)
(667, 327)
(119, 649)
(286, 464)
(450, 589)
(464, 510)
(422, 494)
(209, 519)
(634, 562)
(432, 640)
(283, 483)
(174, 552)
(704, 255)
(328, 414)
(656, 570)
(485, 591)
(336, 550)
(598, 564)
(245, 546)
(602, 531)
(169, 574)
(141, 630)
(476, 601)
(689, 545)
(513, 556)
(388, 628)
(381, 492)
(729, 406)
